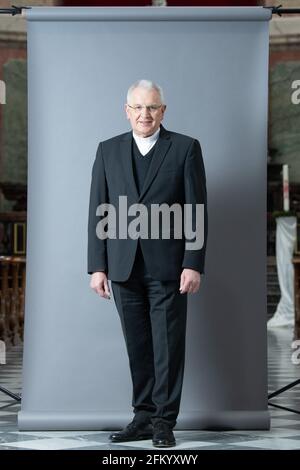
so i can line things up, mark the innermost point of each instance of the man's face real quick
(145, 122)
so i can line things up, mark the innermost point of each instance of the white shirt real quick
(146, 143)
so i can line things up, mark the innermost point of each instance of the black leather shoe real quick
(133, 432)
(163, 435)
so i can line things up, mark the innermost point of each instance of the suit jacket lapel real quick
(163, 145)
(126, 158)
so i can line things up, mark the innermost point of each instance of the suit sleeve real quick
(195, 193)
(97, 256)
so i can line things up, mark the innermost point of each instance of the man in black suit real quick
(153, 268)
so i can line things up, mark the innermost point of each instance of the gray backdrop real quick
(213, 66)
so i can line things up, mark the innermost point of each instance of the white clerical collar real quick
(145, 144)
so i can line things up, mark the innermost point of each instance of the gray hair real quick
(148, 85)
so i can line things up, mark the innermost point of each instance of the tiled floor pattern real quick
(284, 433)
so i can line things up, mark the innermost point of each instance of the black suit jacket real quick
(176, 175)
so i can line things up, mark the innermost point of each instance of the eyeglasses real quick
(152, 108)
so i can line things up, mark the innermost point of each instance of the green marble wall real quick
(14, 131)
(284, 117)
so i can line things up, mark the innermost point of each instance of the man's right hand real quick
(99, 283)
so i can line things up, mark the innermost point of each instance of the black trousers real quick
(153, 319)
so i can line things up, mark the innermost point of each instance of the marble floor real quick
(284, 433)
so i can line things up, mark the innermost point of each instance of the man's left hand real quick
(189, 281)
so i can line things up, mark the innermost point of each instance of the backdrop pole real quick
(276, 10)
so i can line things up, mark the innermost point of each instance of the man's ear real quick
(126, 110)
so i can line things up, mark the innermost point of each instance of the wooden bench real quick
(12, 298)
